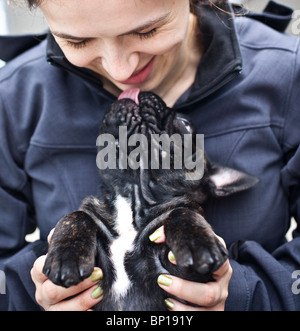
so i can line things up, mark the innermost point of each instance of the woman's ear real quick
(226, 181)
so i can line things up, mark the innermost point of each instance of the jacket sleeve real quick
(262, 281)
(16, 213)
(271, 281)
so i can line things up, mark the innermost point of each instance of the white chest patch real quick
(121, 245)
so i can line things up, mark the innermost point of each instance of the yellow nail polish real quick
(96, 275)
(170, 304)
(156, 235)
(97, 293)
(171, 256)
(164, 280)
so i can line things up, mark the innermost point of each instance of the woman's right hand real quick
(81, 297)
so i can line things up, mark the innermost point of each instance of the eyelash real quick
(79, 45)
(146, 35)
(142, 36)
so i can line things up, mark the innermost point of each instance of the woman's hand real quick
(210, 296)
(76, 298)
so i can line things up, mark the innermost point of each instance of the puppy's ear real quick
(226, 181)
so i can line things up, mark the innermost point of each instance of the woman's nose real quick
(118, 61)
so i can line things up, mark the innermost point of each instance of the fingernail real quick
(96, 275)
(171, 256)
(164, 280)
(170, 304)
(156, 235)
(97, 293)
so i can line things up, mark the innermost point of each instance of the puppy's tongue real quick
(132, 93)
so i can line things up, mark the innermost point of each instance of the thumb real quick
(158, 236)
(50, 235)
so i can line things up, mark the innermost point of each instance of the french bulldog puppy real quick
(112, 230)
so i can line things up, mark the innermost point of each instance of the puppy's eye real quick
(186, 124)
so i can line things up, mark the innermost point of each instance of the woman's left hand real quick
(210, 296)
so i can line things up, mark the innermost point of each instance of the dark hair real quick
(35, 3)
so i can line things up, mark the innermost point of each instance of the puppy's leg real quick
(72, 250)
(193, 242)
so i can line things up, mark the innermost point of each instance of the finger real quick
(172, 258)
(205, 295)
(224, 272)
(222, 241)
(50, 235)
(38, 278)
(158, 236)
(37, 270)
(82, 302)
(52, 294)
(174, 305)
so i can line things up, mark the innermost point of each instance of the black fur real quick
(158, 197)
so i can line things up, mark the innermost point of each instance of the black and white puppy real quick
(112, 230)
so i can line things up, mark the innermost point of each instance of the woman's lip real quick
(141, 75)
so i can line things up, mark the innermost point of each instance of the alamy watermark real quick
(296, 283)
(2, 282)
(187, 152)
(296, 22)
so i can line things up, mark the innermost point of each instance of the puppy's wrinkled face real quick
(142, 113)
(146, 115)
(142, 116)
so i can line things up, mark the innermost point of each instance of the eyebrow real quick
(140, 28)
(148, 25)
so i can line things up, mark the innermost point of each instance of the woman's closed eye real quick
(145, 35)
(141, 35)
(77, 44)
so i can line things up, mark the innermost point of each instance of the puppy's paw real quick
(205, 256)
(72, 251)
(66, 268)
(193, 242)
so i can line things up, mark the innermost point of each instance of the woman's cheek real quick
(161, 45)
(79, 58)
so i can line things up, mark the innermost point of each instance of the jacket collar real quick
(56, 57)
(13, 46)
(221, 60)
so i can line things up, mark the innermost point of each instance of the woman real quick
(236, 79)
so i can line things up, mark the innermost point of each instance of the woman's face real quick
(130, 43)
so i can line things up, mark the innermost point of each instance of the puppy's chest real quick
(122, 244)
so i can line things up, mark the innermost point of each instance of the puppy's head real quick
(147, 149)
(143, 113)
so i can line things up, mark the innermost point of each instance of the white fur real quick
(121, 245)
(225, 177)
